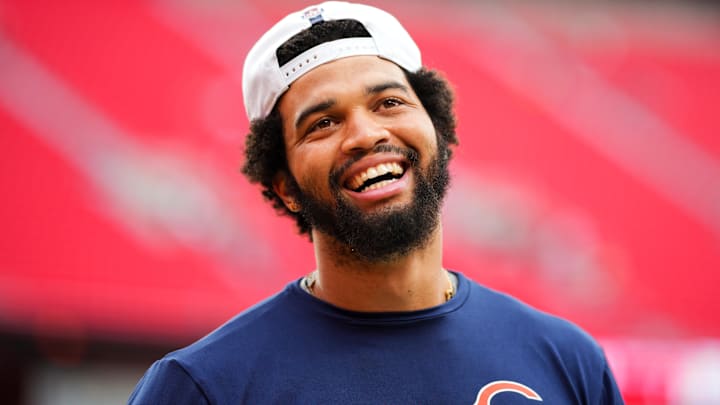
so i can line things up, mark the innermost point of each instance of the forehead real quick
(346, 76)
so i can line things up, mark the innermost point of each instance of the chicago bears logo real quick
(314, 14)
(486, 393)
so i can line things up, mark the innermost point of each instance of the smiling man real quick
(351, 137)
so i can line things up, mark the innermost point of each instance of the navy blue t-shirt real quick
(480, 347)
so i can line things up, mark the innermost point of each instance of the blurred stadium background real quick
(587, 182)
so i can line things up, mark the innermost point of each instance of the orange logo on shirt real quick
(486, 393)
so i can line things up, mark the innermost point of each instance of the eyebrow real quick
(379, 88)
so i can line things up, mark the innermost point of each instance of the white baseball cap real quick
(264, 80)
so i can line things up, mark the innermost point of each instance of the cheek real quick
(310, 165)
(429, 135)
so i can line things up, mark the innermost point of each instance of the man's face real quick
(363, 157)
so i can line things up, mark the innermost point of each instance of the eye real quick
(322, 123)
(391, 102)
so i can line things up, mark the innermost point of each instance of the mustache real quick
(410, 154)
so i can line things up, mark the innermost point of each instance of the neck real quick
(410, 282)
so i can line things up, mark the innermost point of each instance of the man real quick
(351, 137)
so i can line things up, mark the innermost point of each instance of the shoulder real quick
(241, 334)
(517, 321)
(538, 340)
(167, 382)
(222, 360)
(502, 308)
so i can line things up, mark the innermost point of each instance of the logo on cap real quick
(314, 14)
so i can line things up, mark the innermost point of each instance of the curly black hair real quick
(265, 144)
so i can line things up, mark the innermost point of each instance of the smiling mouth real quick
(376, 177)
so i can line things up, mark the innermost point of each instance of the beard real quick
(390, 232)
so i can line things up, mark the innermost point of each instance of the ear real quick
(282, 189)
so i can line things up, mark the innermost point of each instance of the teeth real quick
(379, 184)
(372, 172)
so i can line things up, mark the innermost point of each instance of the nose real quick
(363, 132)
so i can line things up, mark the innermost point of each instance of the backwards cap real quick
(264, 80)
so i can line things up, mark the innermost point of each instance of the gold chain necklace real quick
(310, 279)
